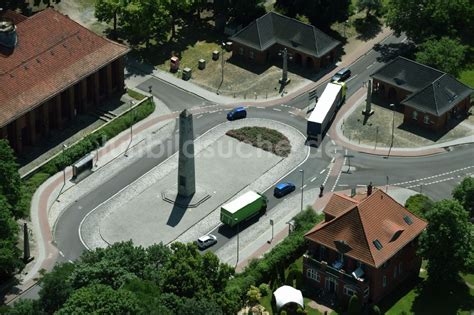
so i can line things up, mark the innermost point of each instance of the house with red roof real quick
(51, 70)
(365, 246)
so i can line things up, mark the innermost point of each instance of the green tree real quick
(109, 10)
(15, 4)
(47, 3)
(445, 54)
(423, 19)
(253, 295)
(245, 11)
(447, 242)
(370, 6)
(26, 307)
(354, 307)
(101, 299)
(464, 193)
(56, 287)
(9, 252)
(177, 9)
(10, 182)
(419, 204)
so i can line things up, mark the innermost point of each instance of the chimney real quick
(369, 189)
(8, 36)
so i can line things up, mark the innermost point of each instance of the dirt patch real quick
(264, 138)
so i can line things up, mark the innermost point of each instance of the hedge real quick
(277, 260)
(80, 149)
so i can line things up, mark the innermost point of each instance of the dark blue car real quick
(237, 113)
(283, 189)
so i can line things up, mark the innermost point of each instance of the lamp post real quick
(284, 76)
(345, 24)
(131, 128)
(302, 188)
(238, 232)
(64, 169)
(392, 106)
(222, 62)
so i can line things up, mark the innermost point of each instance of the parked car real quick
(283, 189)
(237, 113)
(342, 75)
(206, 241)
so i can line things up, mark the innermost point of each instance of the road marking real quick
(370, 66)
(277, 109)
(360, 185)
(352, 78)
(61, 253)
(333, 159)
(304, 186)
(431, 183)
(260, 107)
(343, 185)
(70, 261)
(313, 179)
(324, 170)
(433, 176)
(403, 40)
(333, 143)
(198, 116)
(339, 175)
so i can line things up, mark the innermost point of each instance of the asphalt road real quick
(369, 168)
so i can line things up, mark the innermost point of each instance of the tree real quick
(354, 307)
(22, 5)
(464, 193)
(9, 252)
(245, 11)
(419, 204)
(176, 9)
(369, 5)
(447, 242)
(253, 295)
(109, 10)
(10, 182)
(101, 299)
(56, 287)
(445, 54)
(26, 307)
(423, 19)
(47, 3)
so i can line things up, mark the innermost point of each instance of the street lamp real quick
(284, 76)
(271, 223)
(392, 107)
(131, 127)
(238, 232)
(302, 187)
(64, 169)
(222, 61)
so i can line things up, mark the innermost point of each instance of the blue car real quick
(283, 189)
(237, 113)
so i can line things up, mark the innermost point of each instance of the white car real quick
(205, 241)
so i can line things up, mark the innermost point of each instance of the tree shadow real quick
(393, 50)
(411, 283)
(442, 299)
(367, 27)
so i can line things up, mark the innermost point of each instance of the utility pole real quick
(238, 232)
(392, 107)
(284, 76)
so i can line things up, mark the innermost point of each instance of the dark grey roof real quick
(439, 96)
(433, 91)
(273, 28)
(407, 74)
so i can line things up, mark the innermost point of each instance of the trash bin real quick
(202, 64)
(215, 55)
(187, 73)
(228, 46)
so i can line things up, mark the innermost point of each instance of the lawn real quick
(467, 76)
(423, 299)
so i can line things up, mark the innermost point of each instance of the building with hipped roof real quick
(52, 69)
(429, 98)
(265, 37)
(365, 246)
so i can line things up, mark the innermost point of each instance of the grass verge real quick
(264, 138)
(80, 149)
(134, 94)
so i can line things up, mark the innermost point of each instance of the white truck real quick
(326, 107)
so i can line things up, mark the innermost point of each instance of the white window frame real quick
(349, 291)
(426, 119)
(384, 281)
(313, 274)
(414, 115)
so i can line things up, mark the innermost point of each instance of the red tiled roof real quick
(377, 217)
(53, 52)
(338, 203)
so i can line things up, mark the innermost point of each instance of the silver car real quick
(206, 241)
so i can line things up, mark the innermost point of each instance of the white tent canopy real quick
(286, 294)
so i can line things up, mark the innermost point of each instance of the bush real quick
(253, 295)
(86, 145)
(264, 138)
(264, 289)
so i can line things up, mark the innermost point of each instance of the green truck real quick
(243, 208)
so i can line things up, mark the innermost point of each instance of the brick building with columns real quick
(52, 69)
(264, 38)
(428, 97)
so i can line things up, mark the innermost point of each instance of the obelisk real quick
(186, 168)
